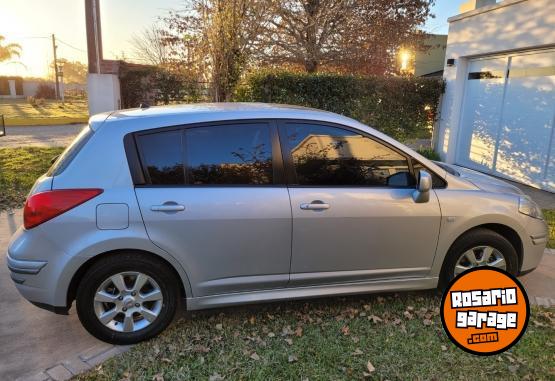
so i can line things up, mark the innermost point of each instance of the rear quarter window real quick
(70, 152)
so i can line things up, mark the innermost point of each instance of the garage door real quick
(508, 118)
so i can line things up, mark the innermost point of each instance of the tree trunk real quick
(312, 7)
(311, 66)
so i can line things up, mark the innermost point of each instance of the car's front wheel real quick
(127, 297)
(479, 248)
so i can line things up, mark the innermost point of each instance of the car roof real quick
(223, 107)
(203, 112)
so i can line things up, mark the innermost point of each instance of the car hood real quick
(484, 182)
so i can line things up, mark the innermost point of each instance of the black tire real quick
(127, 262)
(474, 238)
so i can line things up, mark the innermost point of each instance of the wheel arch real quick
(503, 230)
(78, 275)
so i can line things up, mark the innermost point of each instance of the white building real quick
(498, 112)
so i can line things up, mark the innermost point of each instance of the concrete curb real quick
(546, 301)
(56, 121)
(77, 364)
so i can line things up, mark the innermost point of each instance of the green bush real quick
(402, 107)
(429, 153)
(155, 85)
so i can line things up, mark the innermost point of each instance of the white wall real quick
(511, 25)
(30, 87)
(104, 93)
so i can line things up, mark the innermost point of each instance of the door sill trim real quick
(406, 284)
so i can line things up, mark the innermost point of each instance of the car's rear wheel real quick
(479, 248)
(127, 297)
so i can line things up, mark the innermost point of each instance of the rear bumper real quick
(38, 268)
(19, 266)
(56, 310)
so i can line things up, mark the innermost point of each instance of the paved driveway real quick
(32, 339)
(40, 136)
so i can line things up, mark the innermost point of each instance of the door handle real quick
(315, 205)
(167, 208)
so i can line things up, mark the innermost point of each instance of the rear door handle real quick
(167, 208)
(315, 205)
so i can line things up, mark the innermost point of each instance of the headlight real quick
(529, 207)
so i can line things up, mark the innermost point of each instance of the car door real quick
(214, 199)
(354, 218)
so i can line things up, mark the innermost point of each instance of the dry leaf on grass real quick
(254, 356)
(292, 358)
(370, 368)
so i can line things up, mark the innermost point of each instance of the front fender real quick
(463, 210)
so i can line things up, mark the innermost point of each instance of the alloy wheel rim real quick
(128, 301)
(480, 256)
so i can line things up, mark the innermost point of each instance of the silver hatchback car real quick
(225, 204)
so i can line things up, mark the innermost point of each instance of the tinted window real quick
(437, 182)
(229, 154)
(162, 157)
(324, 155)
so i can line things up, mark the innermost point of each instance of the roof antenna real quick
(144, 106)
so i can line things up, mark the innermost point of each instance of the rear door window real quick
(230, 154)
(238, 154)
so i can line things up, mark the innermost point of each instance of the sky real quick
(31, 24)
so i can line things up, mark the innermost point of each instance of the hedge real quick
(402, 107)
(155, 85)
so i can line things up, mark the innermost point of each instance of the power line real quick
(71, 46)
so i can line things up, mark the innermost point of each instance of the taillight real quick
(44, 206)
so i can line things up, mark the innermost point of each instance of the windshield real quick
(447, 168)
(70, 152)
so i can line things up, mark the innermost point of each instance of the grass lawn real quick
(19, 111)
(376, 337)
(19, 168)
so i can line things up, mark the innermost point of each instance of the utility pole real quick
(54, 47)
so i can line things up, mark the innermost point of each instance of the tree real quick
(74, 71)
(351, 36)
(217, 37)
(150, 46)
(8, 51)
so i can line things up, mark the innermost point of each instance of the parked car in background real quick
(224, 204)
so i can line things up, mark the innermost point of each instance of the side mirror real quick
(423, 187)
